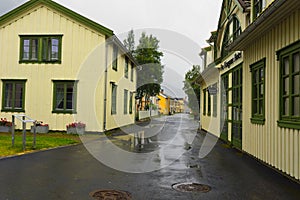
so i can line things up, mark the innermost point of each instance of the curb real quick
(37, 151)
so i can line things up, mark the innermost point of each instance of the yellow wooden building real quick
(258, 86)
(59, 67)
(271, 77)
(164, 102)
(221, 83)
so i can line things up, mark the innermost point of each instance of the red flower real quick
(76, 125)
(4, 122)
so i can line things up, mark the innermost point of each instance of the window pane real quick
(8, 95)
(286, 86)
(296, 62)
(286, 66)
(49, 49)
(260, 107)
(254, 109)
(254, 91)
(115, 57)
(114, 99)
(130, 102)
(18, 96)
(261, 90)
(60, 96)
(296, 85)
(131, 71)
(70, 95)
(34, 49)
(45, 49)
(286, 106)
(125, 101)
(261, 74)
(255, 76)
(126, 67)
(26, 49)
(54, 49)
(296, 106)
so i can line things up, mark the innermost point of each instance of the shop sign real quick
(228, 63)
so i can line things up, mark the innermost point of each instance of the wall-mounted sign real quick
(228, 63)
(213, 89)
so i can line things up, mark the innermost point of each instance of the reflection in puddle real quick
(142, 150)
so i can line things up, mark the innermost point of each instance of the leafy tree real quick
(129, 41)
(150, 73)
(192, 88)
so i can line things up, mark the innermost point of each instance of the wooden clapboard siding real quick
(279, 147)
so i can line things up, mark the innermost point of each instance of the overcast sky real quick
(181, 26)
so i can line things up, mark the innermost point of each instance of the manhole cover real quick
(111, 195)
(191, 187)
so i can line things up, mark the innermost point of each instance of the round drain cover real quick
(191, 187)
(111, 195)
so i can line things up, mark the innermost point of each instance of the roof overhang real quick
(206, 75)
(276, 12)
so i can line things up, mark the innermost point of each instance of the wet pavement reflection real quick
(146, 146)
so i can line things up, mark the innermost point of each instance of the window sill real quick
(63, 112)
(13, 110)
(289, 124)
(260, 121)
(39, 62)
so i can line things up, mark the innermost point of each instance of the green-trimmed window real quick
(232, 31)
(115, 57)
(13, 95)
(125, 101)
(258, 91)
(40, 49)
(215, 101)
(114, 88)
(208, 103)
(132, 72)
(131, 103)
(64, 96)
(289, 59)
(204, 102)
(126, 67)
(258, 6)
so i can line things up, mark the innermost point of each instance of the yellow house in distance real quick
(59, 67)
(164, 103)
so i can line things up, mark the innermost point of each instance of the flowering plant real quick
(76, 125)
(4, 122)
(40, 123)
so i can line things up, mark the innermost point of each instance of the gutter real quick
(105, 87)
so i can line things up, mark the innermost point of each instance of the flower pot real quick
(40, 129)
(5, 129)
(76, 130)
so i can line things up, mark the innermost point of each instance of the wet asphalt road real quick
(172, 148)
